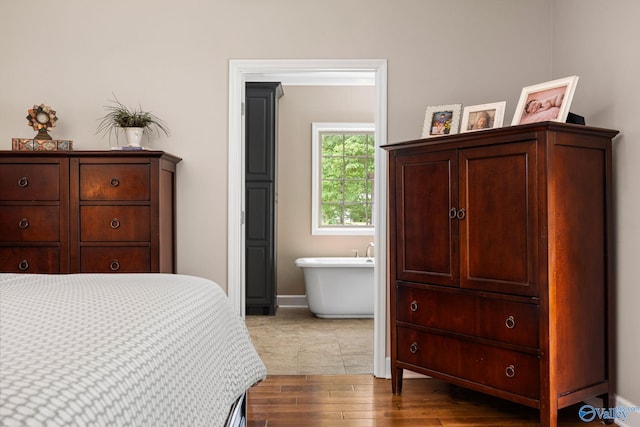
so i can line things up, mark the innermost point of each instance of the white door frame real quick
(241, 71)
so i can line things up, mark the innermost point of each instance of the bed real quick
(121, 350)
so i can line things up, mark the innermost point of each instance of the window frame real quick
(316, 171)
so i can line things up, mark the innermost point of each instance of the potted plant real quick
(134, 122)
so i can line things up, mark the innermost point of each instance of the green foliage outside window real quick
(348, 171)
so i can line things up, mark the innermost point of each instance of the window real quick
(343, 171)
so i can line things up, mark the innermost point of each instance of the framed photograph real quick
(483, 116)
(547, 101)
(441, 120)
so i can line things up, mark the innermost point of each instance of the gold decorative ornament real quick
(41, 118)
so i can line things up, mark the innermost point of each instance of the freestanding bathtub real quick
(339, 287)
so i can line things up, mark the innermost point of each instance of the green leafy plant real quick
(120, 116)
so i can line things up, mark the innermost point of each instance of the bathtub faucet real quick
(369, 247)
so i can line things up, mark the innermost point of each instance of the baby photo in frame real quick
(547, 101)
(483, 116)
(441, 120)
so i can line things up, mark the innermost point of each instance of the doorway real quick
(242, 71)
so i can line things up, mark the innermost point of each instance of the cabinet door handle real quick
(510, 371)
(23, 223)
(24, 265)
(413, 348)
(115, 265)
(453, 212)
(23, 182)
(414, 306)
(461, 214)
(115, 223)
(114, 182)
(510, 322)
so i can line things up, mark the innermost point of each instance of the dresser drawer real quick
(29, 223)
(115, 259)
(30, 181)
(114, 181)
(483, 364)
(21, 259)
(115, 223)
(490, 318)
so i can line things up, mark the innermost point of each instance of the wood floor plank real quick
(365, 401)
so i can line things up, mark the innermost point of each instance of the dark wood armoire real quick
(501, 263)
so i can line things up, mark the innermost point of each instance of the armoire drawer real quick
(115, 259)
(115, 223)
(26, 259)
(29, 223)
(491, 318)
(490, 366)
(21, 182)
(114, 181)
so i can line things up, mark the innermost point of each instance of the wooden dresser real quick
(501, 263)
(87, 211)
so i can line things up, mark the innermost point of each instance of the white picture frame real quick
(549, 101)
(483, 116)
(441, 120)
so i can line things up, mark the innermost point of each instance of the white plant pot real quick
(134, 136)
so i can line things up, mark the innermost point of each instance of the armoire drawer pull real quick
(414, 306)
(413, 348)
(461, 213)
(452, 213)
(23, 223)
(24, 265)
(510, 322)
(510, 371)
(114, 182)
(115, 223)
(23, 182)
(115, 265)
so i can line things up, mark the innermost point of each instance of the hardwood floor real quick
(362, 400)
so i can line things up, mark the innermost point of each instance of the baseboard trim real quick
(633, 419)
(292, 301)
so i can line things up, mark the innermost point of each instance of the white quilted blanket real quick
(120, 350)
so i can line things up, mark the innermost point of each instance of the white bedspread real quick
(120, 350)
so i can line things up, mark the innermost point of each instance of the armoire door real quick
(426, 232)
(498, 218)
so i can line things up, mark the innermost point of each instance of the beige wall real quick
(600, 45)
(173, 58)
(299, 107)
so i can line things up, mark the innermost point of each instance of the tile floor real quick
(295, 342)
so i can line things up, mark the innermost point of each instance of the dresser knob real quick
(452, 213)
(24, 265)
(414, 306)
(413, 348)
(115, 223)
(23, 182)
(510, 371)
(23, 223)
(510, 322)
(115, 265)
(461, 214)
(114, 182)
